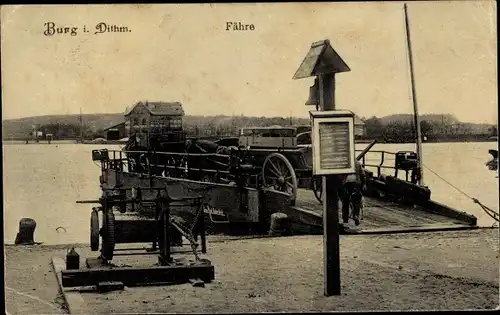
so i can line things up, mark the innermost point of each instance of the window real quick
(246, 132)
(281, 133)
(175, 123)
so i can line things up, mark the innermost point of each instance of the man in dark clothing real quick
(350, 192)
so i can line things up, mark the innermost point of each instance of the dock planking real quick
(379, 214)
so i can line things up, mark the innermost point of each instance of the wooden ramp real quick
(379, 216)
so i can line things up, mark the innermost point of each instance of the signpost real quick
(333, 148)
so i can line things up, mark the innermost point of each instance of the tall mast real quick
(414, 97)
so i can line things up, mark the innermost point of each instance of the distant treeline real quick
(222, 126)
(398, 131)
(396, 128)
(214, 126)
(65, 131)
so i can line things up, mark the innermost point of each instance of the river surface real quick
(43, 182)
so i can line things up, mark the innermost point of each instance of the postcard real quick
(250, 157)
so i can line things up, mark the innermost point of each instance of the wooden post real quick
(323, 62)
(331, 244)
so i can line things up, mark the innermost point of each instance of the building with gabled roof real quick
(158, 108)
(153, 117)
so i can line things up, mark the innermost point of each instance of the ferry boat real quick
(269, 171)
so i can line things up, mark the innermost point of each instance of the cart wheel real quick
(108, 238)
(317, 187)
(277, 172)
(94, 230)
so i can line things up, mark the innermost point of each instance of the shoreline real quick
(220, 238)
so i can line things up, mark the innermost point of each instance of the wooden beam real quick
(137, 276)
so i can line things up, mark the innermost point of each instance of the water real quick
(44, 181)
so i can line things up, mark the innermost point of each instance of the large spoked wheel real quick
(278, 173)
(94, 230)
(317, 187)
(108, 235)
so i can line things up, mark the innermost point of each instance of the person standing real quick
(351, 193)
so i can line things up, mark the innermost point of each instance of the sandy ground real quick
(440, 270)
(30, 284)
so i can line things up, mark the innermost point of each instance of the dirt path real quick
(30, 284)
(448, 270)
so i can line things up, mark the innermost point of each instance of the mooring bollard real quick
(280, 224)
(26, 233)
(72, 259)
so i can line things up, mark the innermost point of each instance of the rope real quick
(492, 213)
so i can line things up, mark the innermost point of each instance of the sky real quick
(182, 52)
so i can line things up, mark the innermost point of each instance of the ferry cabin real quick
(278, 136)
(268, 137)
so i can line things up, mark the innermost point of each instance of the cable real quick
(449, 183)
(492, 213)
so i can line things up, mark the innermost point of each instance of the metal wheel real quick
(278, 173)
(94, 230)
(108, 237)
(317, 188)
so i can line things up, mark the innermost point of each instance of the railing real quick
(179, 163)
(381, 163)
(116, 160)
(182, 158)
(386, 156)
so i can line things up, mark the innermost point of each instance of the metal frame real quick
(158, 232)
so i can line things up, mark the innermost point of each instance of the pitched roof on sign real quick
(321, 59)
(160, 108)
